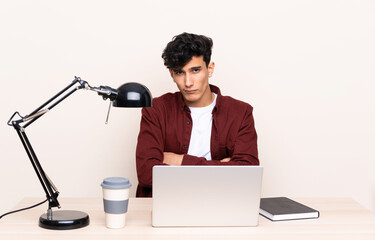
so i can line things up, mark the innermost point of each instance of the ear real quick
(211, 67)
(171, 73)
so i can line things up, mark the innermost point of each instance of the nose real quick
(188, 81)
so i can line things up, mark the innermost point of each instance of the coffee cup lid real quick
(116, 183)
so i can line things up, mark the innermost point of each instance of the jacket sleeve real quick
(245, 151)
(150, 146)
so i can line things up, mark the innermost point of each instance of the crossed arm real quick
(176, 159)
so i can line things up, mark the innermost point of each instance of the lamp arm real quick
(23, 122)
(37, 113)
(48, 187)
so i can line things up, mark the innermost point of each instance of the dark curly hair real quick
(183, 47)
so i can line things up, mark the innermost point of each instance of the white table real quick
(339, 219)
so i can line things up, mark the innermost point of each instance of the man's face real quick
(192, 81)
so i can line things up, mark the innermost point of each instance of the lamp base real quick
(64, 220)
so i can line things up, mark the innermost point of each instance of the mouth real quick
(190, 91)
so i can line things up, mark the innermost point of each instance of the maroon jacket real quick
(167, 125)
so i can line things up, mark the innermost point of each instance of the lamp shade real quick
(133, 95)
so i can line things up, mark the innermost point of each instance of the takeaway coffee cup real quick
(115, 199)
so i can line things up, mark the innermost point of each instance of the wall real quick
(307, 67)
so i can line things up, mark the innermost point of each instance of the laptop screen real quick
(206, 195)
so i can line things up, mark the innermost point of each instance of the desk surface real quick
(339, 219)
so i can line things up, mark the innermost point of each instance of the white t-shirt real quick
(200, 139)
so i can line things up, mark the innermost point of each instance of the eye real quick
(196, 70)
(178, 72)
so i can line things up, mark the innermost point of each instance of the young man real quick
(197, 125)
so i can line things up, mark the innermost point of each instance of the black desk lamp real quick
(127, 95)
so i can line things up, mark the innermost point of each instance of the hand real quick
(225, 160)
(173, 158)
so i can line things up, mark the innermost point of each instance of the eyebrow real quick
(192, 68)
(197, 67)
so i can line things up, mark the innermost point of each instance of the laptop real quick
(210, 196)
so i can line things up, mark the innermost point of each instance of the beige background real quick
(307, 67)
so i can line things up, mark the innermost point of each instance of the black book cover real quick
(283, 208)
